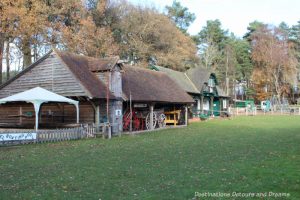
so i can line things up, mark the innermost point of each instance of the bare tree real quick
(1, 56)
(273, 57)
(209, 53)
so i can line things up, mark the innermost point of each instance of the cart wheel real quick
(148, 120)
(161, 120)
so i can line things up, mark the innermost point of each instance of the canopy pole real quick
(186, 114)
(37, 106)
(77, 112)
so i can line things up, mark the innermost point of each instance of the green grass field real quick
(246, 154)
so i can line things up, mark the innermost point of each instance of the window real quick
(211, 82)
(224, 103)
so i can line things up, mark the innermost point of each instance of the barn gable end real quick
(49, 73)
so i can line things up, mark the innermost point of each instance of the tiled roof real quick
(152, 86)
(198, 76)
(180, 78)
(79, 66)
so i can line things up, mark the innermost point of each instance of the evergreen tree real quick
(180, 16)
(295, 38)
(252, 27)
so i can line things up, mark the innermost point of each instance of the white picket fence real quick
(25, 136)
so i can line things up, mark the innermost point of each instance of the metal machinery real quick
(141, 120)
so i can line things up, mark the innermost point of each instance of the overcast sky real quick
(235, 15)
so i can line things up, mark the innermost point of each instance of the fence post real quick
(109, 130)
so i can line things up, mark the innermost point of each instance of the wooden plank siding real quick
(69, 76)
(22, 114)
(114, 78)
(51, 74)
(116, 83)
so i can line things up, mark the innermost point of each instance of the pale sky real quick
(235, 15)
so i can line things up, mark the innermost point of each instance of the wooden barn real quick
(202, 86)
(71, 76)
(146, 90)
(105, 88)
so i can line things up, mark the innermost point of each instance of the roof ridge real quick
(114, 59)
(169, 69)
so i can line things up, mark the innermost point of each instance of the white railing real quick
(25, 136)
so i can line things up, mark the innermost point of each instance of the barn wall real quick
(51, 75)
(114, 112)
(116, 116)
(50, 113)
(116, 82)
(9, 113)
(116, 106)
(114, 77)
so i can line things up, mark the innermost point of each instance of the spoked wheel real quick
(148, 120)
(161, 120)
(126, 121)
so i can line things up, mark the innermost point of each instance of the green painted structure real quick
(202, 86)
(244, 104)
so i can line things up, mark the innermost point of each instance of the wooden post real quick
(198, 107)
(174, 116)
(107, 104)
(109, 130)
(20, 114)
(151, 116)
(103, 131)
(97, 117)
(221, 105)
(186, 115)
(130, 107)
(212, 105)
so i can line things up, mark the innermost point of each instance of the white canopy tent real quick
(37, 96)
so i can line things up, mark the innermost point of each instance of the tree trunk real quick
(226, 75)
(1, 56)
(7, 61)
(26, 50)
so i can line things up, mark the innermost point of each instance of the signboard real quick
(118, 113)
(17, 136)
(140, 105)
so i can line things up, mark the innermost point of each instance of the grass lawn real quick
(245, 154)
